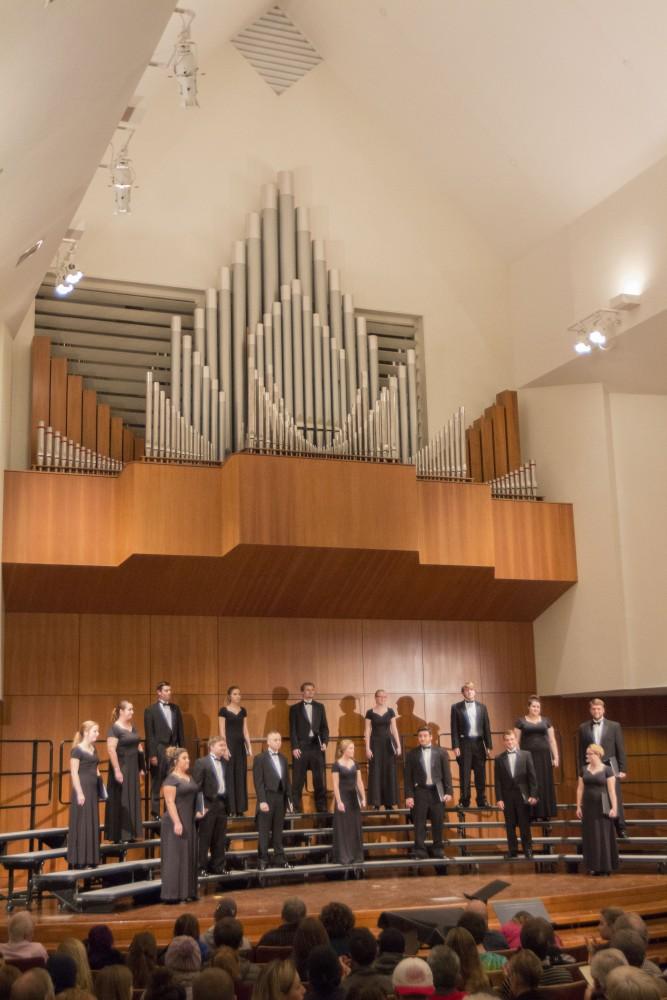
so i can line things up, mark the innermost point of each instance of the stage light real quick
(582, 346)
(62, 288)
(596, 331)
(597, 337)
(185, 63)
(122, 181)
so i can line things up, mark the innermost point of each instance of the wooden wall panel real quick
(139, 448)
(455, 525)
(104, 429)
(474, 438)
(497, 415)
(509, 400)
(392, 653)
(184, 651)
(451, 655)
(488, 464)
(40, 362)
(41, 654)
(89, 419)
(128, 445)
(116, 443)
(115, 654)
(507, 656)
(74, 407)
(58, 398)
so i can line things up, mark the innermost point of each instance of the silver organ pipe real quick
(297, 352)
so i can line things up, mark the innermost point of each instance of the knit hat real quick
(413, 976)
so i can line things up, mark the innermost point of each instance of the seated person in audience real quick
(278, 980)
(183, 959)
(113, 982)
(33, 985)
(100, 948)
(163, 986)
(229, 932)
(62, 969)
(537, 935)
(310, 933)
(213, 984)
(228, 961)
(493, 940)
(142, 958)
(391, 951)
(188, 925)
(632, 984)
(363, 952)
(76, 949)
(512, 929)
(601, 965)
(293, 912)
(225, 908)
(476, 925)
(8, 975)
(473, 978)
(325, 974)
(338, 920)
(634, 922)
(633, 946)
(412, 978)
(446, 969)
(608, 917)
(524, 974)
(20, 944)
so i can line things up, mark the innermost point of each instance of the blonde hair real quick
(342, 747)
(172, 754)
(77, 950)
(80, 734)
(115, 715)
(597, 749)
(226, 958)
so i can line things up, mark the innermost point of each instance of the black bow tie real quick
(308, 703)
(511, 751)
(165, 704)
(274, 753)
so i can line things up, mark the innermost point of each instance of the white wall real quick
(401, 245)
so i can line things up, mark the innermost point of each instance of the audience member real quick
(363, 952)
(512, 929)
(20, 944)
(608, 917)
(493, 940)
(475, 924)
(412, 978)
(100, 948)
(74, 993)
(632, 984)
(278, 980)
(187, 925)
(524, 973)
(338, 920)
(228, 960)
(142, 958)
(213, 984)
(229, 932)
(33, 985)
(446, 969)
(324, 974)
(601, 965)
(293, 912)
(163, 986)
(634, 922)
(183, 959)
(62, 969)
(473, 977)
(76, 950)
(225, 908)
(391, 950)
(113, 982)
(310, 933)
(8, 975)
(537, 935)
(632, 944)
(366, 991)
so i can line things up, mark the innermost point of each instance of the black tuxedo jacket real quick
(158, 734)
(524, 780)
(205, 775)
(299, 726)
(460, 726)
(415, 773)
(611, 742)
(266, 777)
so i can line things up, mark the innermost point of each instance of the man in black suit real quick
(516, 792)
(471, 742)
(274, 793)
(212, 774)
(609, 736)
(309, 735)
(428, 788)
(163, 727)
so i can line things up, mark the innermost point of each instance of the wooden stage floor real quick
(259, 909)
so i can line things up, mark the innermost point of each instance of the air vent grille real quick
(276, 48)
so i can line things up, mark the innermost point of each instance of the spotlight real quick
(68, 275)
(62, 288)
(122, 179)
(582, 347)
(597, 330)
(185, 63)
(73, 275)
(597, 337)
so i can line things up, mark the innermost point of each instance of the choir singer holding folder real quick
(428, 788)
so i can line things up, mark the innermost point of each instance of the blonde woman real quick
(597, 808)
(76, 950)
(349, 800)
(123, 813)
(83, 841)
(178, 834)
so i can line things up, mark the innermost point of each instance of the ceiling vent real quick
(276, 48)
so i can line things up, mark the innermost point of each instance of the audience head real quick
(227, 959)
(278, 980)
(225, 908)
(479, 907)
(213, 984)
(183, 955)
(100, 938)
(187, 925)
(524, 971)
(363, 947)
(76, 950)
(8, 976)
(62, 969)
(474, 924)
(308, 935)
(163, 986)
(324, 969)
(631, 943)
(33, 985)
(632, 984)
(338, 919)
(473, 976)
(445, 966)
(293, 911)
(536, 936)
(113, 982)
(142, 958)
(632, 922)
(412, 977)
(603, 962)
(229, 932)
(608, 916)
(391, 940)
(20, 927)
(521, 916)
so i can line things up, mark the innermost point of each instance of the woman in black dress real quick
(123, 812)
(83, 839)
(233, 725)
(535, 733)
(178, 833)
(383, 744)
(596, 808)
(350, 799)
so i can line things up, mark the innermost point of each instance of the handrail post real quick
(33, 789)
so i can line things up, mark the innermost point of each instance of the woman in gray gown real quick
(349, 800)
(83, 839)
(123, 813)
(178, 833)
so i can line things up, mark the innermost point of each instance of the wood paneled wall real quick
(63, 668)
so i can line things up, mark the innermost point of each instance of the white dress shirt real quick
(275, 760)
(166, 711)
(597, 730)
(426, 757)
(308, 705)
(511, 760)
(471, 712)
(217, 767)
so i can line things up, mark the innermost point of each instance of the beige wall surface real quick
(5, 419)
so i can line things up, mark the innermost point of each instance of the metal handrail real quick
(34, 774)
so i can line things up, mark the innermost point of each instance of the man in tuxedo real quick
(428, 788)
(309, 735)
(163, 727)
(609, 736)
(212, 774)
(274, 793)
(516, 792)
(471, 742)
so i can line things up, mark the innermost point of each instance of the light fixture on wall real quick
(122, 177)
(596, 332)
(68, 273)
(184, 61)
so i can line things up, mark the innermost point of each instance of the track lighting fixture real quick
(122, 177)
(596, 331)
(68, 274)
(184, 62)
